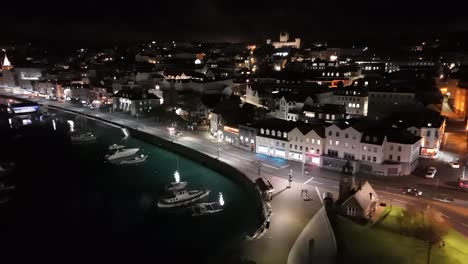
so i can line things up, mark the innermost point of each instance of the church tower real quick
(347, 185)
(6, 64)
(8, 78)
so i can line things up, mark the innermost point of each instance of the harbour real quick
(117, 204)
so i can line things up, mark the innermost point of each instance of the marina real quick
(124, 199)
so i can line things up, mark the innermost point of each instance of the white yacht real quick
(182, 197)
(177, 194)
(121, 153)
(135, 160)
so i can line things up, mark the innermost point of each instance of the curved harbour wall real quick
(201, 158)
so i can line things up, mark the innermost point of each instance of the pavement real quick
(290, 212)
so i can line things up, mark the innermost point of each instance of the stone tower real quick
(284, 37)
(347, 186)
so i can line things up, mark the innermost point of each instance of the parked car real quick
(454, 164)
(178, 133)
(430, 173)
(412, 191)
(463, 183)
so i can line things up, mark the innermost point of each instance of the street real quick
(291, 212)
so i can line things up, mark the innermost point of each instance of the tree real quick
(425, 224)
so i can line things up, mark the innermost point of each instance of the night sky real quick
(217, 20)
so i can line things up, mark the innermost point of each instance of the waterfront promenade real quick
(291, 212)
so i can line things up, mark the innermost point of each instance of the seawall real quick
(192, 154)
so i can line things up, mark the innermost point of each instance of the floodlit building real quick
(285, 42)
(355, 100)
(135, 102)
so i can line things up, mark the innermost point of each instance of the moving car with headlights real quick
(430, 173)
(463, 184)
(454, 164)
(412, 191)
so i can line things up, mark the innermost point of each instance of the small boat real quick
(182, 197)
(115, 147)
(134, 160)
(121, 153)
(200, 209)
(83, 137)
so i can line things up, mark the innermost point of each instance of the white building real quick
(428, 124)
(342, 145)
(285, 42)
(390, 152)
(289, 140)
(356, 101)
(135, 102)
(397, 152)
(289, 106)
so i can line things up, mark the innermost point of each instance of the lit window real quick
(337, 143)
(331, 142)
(241, 138)
(247, 139)
(262, 131)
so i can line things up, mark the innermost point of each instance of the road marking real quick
(269, 166)
(285, 166)
(311, 178)
(335, 186)
(446, 216)
(318, 193)
(316, 182)
(400, 201)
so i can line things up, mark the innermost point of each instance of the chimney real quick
(370, 196)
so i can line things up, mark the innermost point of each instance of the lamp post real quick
(290, 178)
(217, 142)
(303, 163)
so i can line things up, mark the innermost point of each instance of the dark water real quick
(68, 195)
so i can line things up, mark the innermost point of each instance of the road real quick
(324, 180)
(290, 212)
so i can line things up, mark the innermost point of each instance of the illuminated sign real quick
(25, 109)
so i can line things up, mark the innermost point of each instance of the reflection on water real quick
(113, 208)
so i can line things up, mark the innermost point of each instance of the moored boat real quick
(200, 209)
(182, 198)
(121, 153)
(135, 160)
(83, 137)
